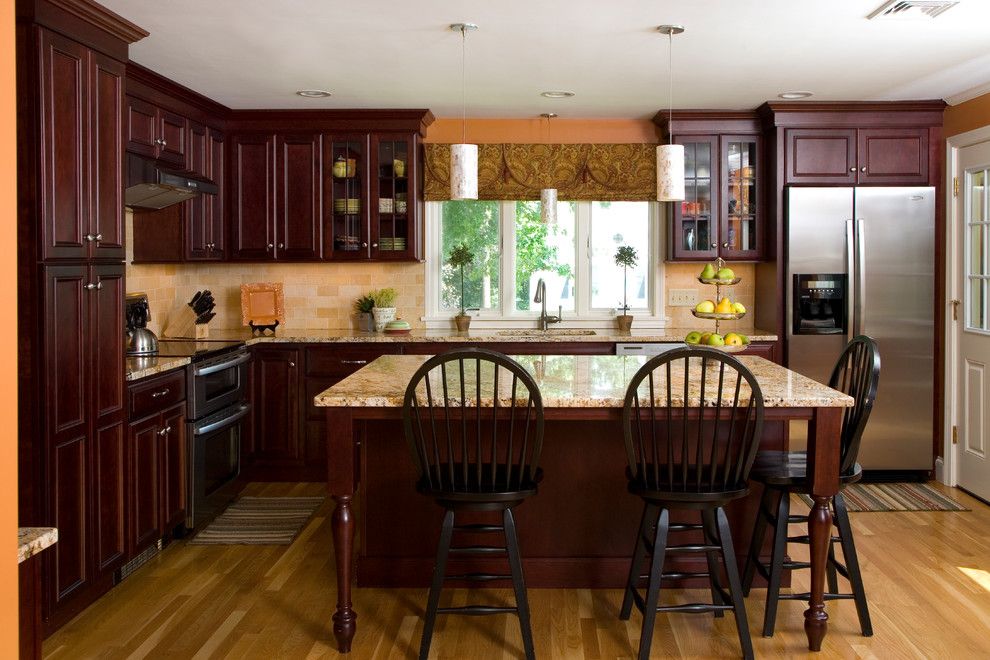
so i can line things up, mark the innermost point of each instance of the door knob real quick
(714, 245)
(374, 245)
(364, 245)
(852, 169)
(281, 246)
(270, 246)
(725, 245)
(862, 169)
(292, 365)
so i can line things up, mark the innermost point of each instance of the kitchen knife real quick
(195, 299)
(205, 318)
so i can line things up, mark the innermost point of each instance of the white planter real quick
(382, 316)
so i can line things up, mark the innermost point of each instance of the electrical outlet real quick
(682, 297)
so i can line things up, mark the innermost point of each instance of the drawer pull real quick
(160, 393)
(354, 362)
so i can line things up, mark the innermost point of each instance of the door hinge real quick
(955, 186)
(955, 435)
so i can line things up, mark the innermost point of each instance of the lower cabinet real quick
(156, 450)
(275, 385)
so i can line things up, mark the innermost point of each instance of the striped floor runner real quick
(259, 521)
(895, 497)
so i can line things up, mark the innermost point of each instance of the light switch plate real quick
(682, 297)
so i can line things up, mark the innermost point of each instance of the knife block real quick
(182, 324)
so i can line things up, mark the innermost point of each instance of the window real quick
(513, 250)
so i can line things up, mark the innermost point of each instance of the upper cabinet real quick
(156, 133)
(850, 156)
(394, 232)
(346, 220)
(722, 211)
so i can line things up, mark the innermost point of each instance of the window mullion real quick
(582, 265)
(507, 295)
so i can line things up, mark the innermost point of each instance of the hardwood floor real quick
(927, 576)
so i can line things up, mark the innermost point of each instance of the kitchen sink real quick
(554, 332)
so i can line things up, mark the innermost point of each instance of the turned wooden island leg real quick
(824, 440)
(345, 618)
(342, 482)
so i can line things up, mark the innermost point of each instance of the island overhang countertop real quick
(579, 381)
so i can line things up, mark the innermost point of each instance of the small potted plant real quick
(460, 257)
(363, 318)
(384, 309)
(626, 257)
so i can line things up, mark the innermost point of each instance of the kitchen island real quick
(578, 531)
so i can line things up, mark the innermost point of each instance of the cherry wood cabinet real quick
(298, 195)
(81, 97)
(863, 156)
(145, 488)
(203, 221)
(174, 470)
(156, 133)
(722, 214)
(276, 396)
(252, 202)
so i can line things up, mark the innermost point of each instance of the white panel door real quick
(973, 326)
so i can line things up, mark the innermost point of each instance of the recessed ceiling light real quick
(313, 93)
(790, 96)
(557, 94)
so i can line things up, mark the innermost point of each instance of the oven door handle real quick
(242, 410)
(220, 366)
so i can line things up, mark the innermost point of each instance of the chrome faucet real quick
(541, 297)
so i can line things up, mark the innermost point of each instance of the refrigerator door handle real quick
(850, 273)
(860, 278)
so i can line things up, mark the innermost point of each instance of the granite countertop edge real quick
(32, 540)
(143, 367)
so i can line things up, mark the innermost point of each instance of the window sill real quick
(643, 321)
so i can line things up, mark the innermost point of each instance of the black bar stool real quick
(692, 423)
(857, 373)
(474, 422)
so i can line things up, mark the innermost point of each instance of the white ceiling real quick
(735, 54)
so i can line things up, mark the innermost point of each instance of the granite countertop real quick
(32, 540)
(601, 335)
(579, 381)
(137, 368)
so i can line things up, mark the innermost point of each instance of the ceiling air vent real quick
(911, 9)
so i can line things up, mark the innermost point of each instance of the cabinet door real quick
(106, 341)
(277, 404)
(297, 234)
(65, 135)
(815, 156)
(145, 505)
(253, 197)
(172, 134)
(893, 156)
(394, 202)
(215, 207)
(740, 216)
(346, 217)
(109, 497)
(106, 224)
(141, 126)
(69, 504)
(694, 228)
(172, 456)
(198, 141)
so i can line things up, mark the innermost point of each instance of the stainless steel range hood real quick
(150, 186)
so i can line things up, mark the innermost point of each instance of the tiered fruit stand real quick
(718, 317)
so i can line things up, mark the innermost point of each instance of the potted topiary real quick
(384, 309)
(626, 257)
(460, 257)
(364, 320)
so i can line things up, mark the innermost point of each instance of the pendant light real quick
(548, 196)
(670, 156)
(463, 157)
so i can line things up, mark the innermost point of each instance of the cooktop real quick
(197, 350)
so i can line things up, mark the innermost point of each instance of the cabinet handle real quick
(354, 362)
(292, 365)
(162, 432)
(364, 245)
(164, 143)
(281, 246)
(93, 237)
(91, 286)
(725, 245)
(270, 246)
(862, 169)
(714, 245)
(852, 169)
(160, 393)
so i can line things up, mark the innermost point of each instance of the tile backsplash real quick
(316, 295)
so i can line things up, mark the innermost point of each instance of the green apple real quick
(738, 308)
(716, 340)
(704, 338)
(745, 339)
(708, 273)
(692, 337)
(725, 274)
(705, 307)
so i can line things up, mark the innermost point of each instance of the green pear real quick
(693, 337)
(705, 307)
(725, 274)
(716, 339)
(708, 273)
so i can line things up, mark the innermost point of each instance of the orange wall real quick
(8, 339)
(967, 116)
(534, 131)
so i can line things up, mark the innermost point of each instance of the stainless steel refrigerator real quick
(862, 261)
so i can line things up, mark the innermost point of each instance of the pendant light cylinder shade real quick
(464, 171)
(670, 173)
(548, 206)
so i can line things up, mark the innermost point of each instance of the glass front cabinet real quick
(721, 212)
(370, 197)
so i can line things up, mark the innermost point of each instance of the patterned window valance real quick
(584, 172)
